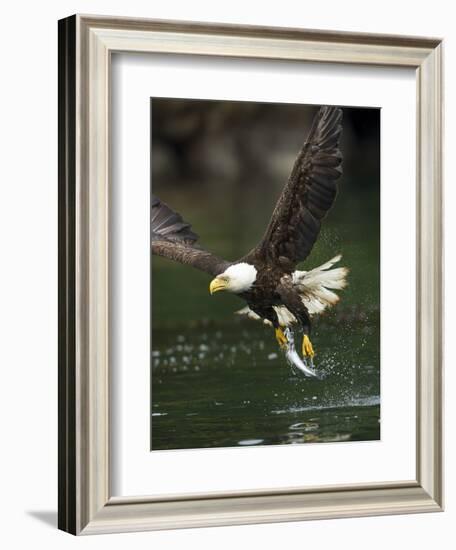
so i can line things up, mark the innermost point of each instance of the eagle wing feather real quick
(307, 196)
(173, 238)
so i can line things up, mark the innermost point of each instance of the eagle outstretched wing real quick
(173, 238)
(307, 196)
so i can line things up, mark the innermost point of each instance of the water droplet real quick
(250, 441)
(297, 426)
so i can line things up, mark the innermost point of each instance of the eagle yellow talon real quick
(307, 348)
(280, 337)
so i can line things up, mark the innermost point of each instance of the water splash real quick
(367, 401)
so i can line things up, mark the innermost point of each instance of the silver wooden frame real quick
(85, 502)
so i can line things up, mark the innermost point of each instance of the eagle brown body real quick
(292, 231)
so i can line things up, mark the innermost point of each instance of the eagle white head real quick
(237, 278)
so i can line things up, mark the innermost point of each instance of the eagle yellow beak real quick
(217, 284)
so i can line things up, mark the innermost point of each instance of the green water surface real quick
(221, 381)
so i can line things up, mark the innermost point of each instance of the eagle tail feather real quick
(317, 286)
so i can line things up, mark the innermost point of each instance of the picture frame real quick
(86, 505)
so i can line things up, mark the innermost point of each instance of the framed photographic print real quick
(250, 264)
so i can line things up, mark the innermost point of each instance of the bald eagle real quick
(266, 278)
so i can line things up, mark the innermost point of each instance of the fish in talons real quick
(306, 364)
